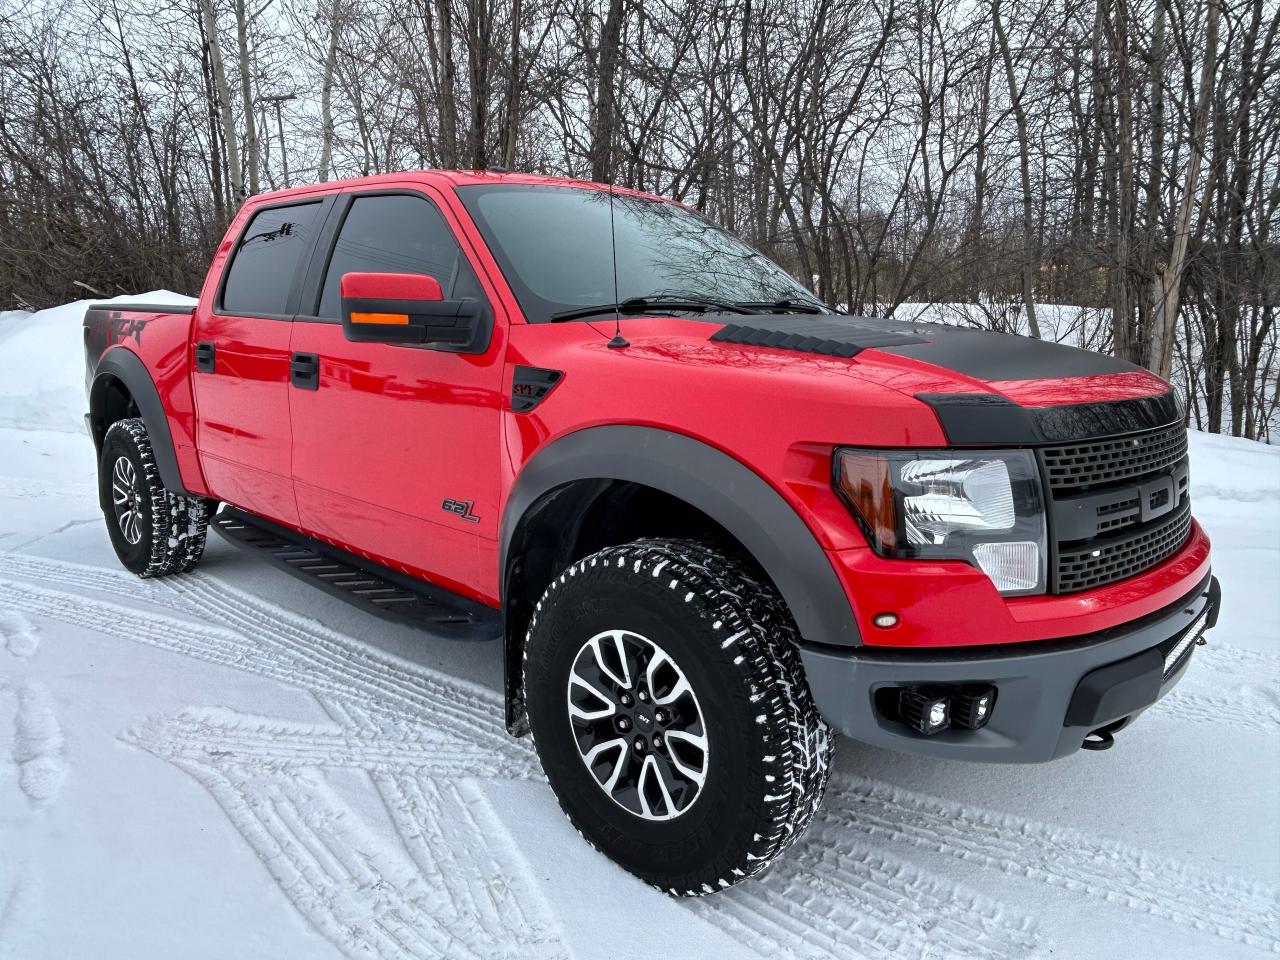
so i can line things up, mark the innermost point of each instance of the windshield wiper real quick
(783, 306)
(646, 304)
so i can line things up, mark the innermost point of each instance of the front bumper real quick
(1050, 695)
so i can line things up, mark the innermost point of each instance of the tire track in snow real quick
(453, 887)
(1242, 911)
(319, 660)
(365, 895)
(206, 599)
(488, 884)
(833, 897)
(26, 488)
(400, 724)
(266, 743)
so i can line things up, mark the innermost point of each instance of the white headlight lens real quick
(981, 506)
(973, 495)
(1012, 566)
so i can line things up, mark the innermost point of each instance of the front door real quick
(241, 363)
(396, 447)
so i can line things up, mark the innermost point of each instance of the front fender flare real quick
(721, 487)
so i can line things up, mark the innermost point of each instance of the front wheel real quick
(154, 532)
(671, 713)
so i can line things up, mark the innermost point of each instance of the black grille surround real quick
(1117, 506)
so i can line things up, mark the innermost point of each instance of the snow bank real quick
(42, 364)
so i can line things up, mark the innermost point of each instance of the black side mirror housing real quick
(409, 308)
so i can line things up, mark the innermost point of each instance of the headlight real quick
(982, 506)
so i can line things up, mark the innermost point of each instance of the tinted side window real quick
(263, 265)
(393, 233)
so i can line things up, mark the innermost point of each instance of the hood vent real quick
(825, 336)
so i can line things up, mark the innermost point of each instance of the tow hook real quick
(1103, 738)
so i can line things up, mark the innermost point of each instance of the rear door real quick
(396, 447)
(241, 366)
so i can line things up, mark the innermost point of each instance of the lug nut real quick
(644, 697)
(639, 745)
(624, 723)
(661, 716)
(657, 742)
(625, 699)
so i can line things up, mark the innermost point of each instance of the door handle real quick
(304, 371)
(205, 357)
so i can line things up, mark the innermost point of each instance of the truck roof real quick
(449, 178)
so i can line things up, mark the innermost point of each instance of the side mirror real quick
(405, 308)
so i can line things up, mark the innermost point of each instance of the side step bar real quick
(372, 587)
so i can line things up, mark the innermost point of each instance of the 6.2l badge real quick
(462, 508)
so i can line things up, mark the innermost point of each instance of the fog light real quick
(971, 708)
(885, 620)
(923, 710)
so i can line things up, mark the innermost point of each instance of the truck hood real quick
(985, 387)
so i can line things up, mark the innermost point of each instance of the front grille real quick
(1120, 505)
(1108, 559)
(1098, 462)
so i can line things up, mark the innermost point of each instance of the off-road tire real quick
(769, 752)
(170, 527)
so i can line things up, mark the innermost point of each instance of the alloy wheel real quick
(637, 724)
(127, 499)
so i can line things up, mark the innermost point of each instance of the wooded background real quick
(1118, 156)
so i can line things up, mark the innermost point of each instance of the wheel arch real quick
(122, 387)
(559, 510)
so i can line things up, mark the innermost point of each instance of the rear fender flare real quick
(123, 366)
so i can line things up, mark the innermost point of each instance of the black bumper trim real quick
(1116, 690)
(1033, 719)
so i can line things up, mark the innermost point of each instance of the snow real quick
(230, 764)
(44, 363)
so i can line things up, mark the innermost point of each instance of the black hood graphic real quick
(981, 354)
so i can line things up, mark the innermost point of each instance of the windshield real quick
(552, 244)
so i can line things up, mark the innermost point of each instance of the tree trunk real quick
(1121, 304)
(223, 91)
(480, 71)
(513, 92)
(1168, 282)
(246, 95)
(326, 95)
(1030, 256)
(602, 132)
(447, 85)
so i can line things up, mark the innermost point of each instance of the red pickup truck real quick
(709, 517)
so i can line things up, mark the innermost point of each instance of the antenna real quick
(618, 341)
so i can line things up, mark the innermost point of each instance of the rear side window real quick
(396, 233)
(262, 267)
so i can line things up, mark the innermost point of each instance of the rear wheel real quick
(671, 713)
(154, 532)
